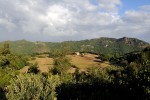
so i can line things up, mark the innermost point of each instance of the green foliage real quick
(132, 69)
(61, 61)
(5, 76)
(99, 73)
(104, 57)
(137, 73)
(67, 78)
(17, 62)
(131, 78)
(23, 47)
(144, 80)
(3, 53)
(33, 69)
(57, 53)
(61, 64)
(62, 51)
(10, 60)
(100, 45)
(4, 61)
(33, 87)
(5, 50)
(116, 83)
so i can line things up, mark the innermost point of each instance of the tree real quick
(5, 50)
(61, 64)
(104, 57)
(61, 61)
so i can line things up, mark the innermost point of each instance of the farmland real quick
(82, 62)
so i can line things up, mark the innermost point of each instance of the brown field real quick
(82, 62)
(44, 63)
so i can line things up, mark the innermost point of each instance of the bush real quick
(104, 57)
(5, 50)
(17, 62)
(33, 87)
(4, 61)
(33, 69)
(61, 64)
(5, 76)
(13, 61)
(100, 75)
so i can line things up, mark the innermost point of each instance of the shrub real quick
(33, 69)
(33, 87)
(12, 61)
(4, 61)
(61, 64)
(17, 62)
(104, 57)
(5, 50)
(5, 76)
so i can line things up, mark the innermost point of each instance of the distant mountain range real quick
(104, 45)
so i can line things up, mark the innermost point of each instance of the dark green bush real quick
(33, 69)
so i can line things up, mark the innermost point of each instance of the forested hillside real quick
(109, 46)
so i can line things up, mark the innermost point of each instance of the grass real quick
(43, 63)
(81, 62)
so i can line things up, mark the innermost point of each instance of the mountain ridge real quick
(104, 45)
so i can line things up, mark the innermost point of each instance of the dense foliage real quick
(127, 78)
(33, 87)
(9, 64)
(10, 60)
(61, 62)
(109, 46)
(131, 81)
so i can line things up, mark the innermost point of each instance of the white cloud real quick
(6, 24)
(109, 5)
(71, 19)
(57, 15)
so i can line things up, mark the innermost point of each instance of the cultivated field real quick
(82, 62)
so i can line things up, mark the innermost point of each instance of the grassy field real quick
(87, 61)
(82, 62)
(44, 63)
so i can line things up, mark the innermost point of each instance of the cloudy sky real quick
(61, 20)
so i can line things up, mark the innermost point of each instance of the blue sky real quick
(133, 4)
(63, 20)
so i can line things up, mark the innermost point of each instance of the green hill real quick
(104, 45)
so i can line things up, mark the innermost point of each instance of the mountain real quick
(104, 45)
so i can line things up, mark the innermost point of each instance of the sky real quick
(65, 20)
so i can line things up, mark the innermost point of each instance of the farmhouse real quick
(77, 53)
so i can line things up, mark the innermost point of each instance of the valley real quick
(99, 68)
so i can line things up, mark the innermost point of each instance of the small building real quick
(77, 53)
